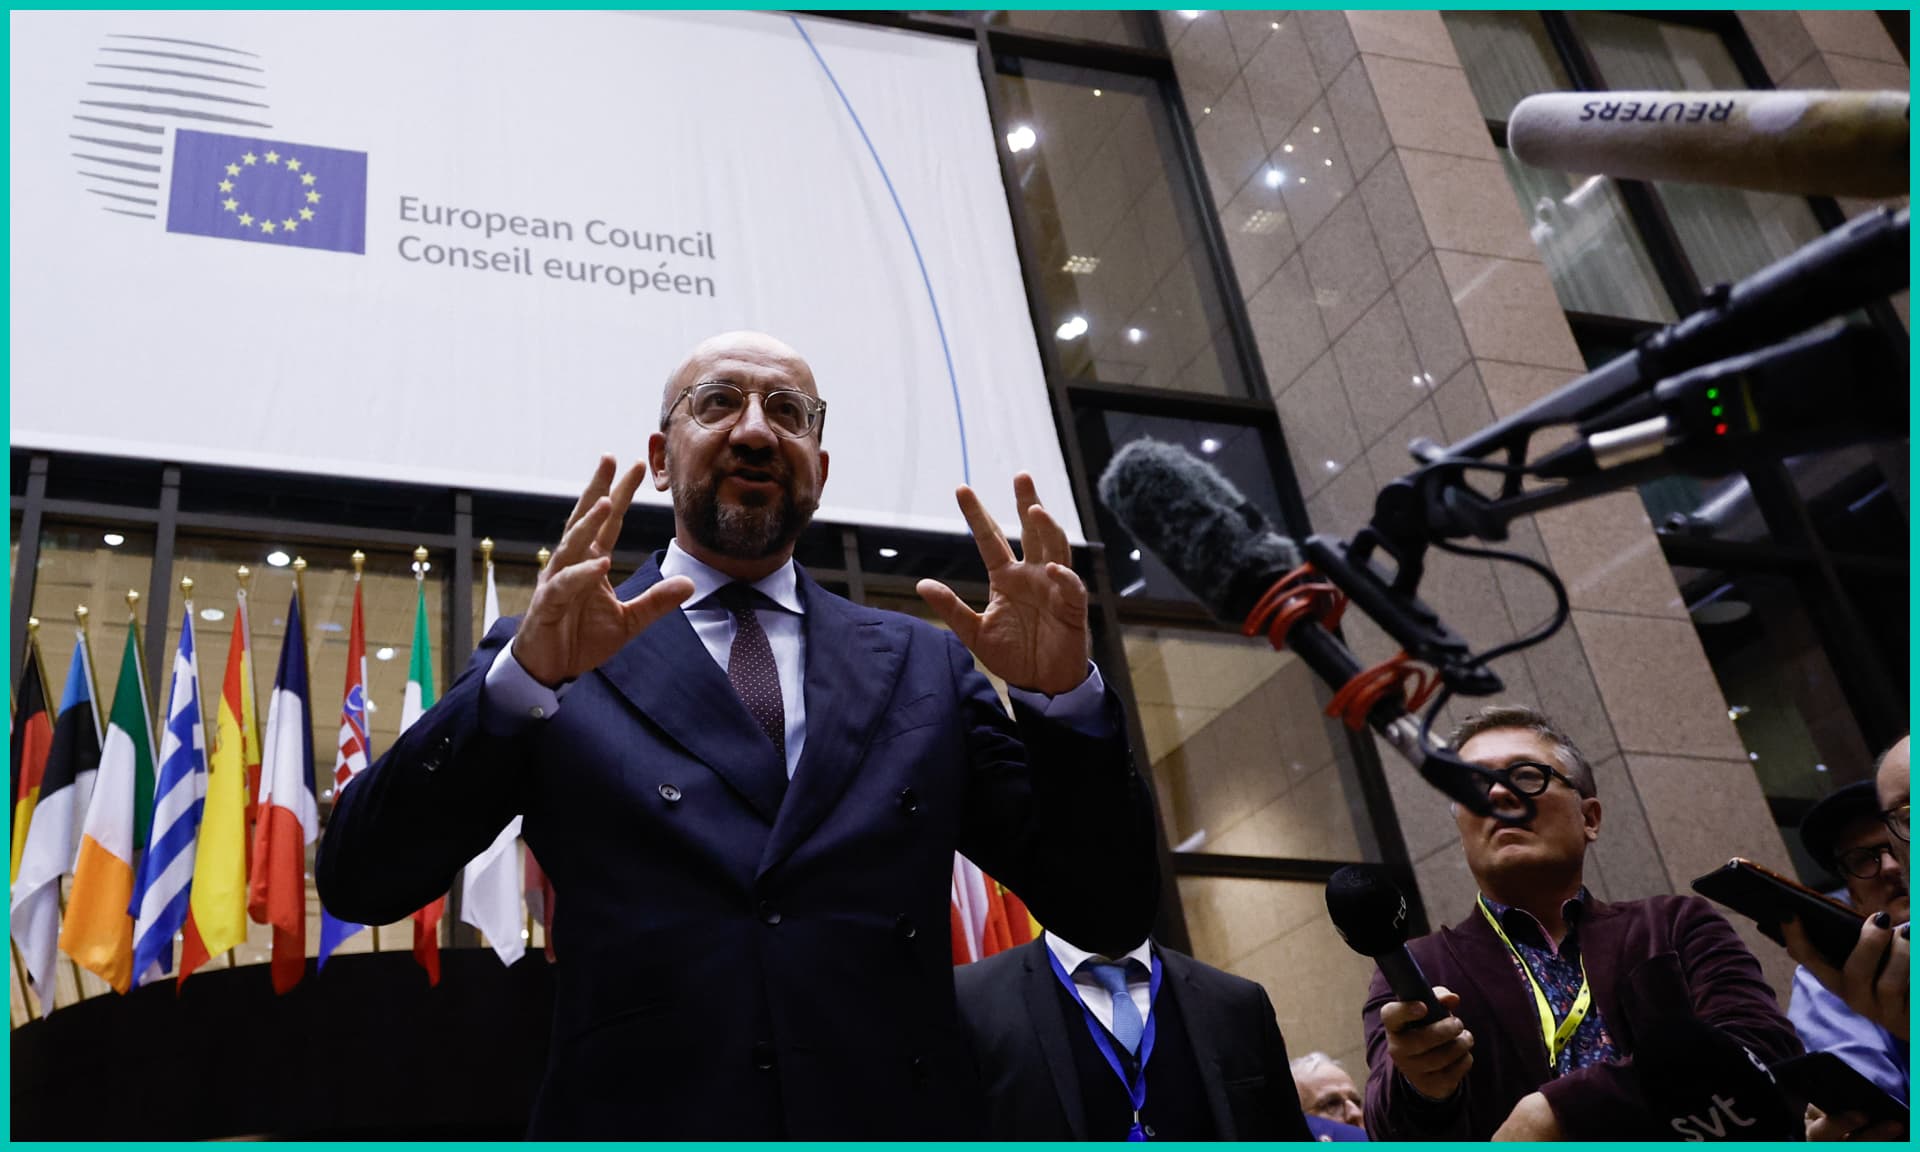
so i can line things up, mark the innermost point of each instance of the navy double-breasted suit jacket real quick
(743, 959)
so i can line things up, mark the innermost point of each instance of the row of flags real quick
(194, 841)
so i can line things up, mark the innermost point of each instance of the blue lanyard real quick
(1136, 1086)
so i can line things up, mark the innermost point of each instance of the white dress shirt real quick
(516, 697)
(1139, 965)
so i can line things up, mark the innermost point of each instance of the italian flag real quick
(419, 698)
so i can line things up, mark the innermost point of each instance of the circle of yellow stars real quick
(292, 165)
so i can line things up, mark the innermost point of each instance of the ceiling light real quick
(1286, 147)
(383, 654)
(1021, 139)
(114, 539)
(1303, 179)
(1274, 177)
(1209, 445)
(1096, 91)
(1074, 328)
(212, 614)
(1328, 163)
(1276, 25)
(1134, 555)
(1316, 129)
(1206, 111)
(889, 553)
(279, 559)
(1189, 15)
(1333, 466)
(1135, 335)
(1263, 222)
(1081, 265)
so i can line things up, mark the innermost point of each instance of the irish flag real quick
(289, 813)
(98, 933)
(491, 883)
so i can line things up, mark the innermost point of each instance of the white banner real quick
(509, 227)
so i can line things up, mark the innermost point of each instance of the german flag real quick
(32, 740)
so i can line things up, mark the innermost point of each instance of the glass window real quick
(1244, 760)
(1726, 233)
(1126, 295)
(1235, 449)
(1589, 245)
(1106, 27)
(1276, 932)
(1508, 57)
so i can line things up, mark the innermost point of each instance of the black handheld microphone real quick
(1370, 913)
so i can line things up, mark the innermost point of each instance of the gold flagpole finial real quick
(133, 601)
(544, 555)
(33, 624)
(486, 550)
(420, 563)
(299, 565)
(359, 563)
(80, 615)
(186, 587)
(243, 574)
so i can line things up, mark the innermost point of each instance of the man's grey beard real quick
(739, 531)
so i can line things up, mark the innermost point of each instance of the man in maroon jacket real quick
(1550, 988)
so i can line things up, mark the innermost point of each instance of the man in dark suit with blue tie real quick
(747, 791)
(1139, 1043)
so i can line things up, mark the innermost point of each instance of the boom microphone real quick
(1221, 548)
(1799, 143)
(1218, 545)
(1370, 913)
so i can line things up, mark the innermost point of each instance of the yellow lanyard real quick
(1556, 1038)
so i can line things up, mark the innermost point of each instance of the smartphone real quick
(1768, 898)
(1833, 1085)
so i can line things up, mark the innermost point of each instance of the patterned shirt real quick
(1559, 972)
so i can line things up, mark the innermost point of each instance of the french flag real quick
(289, 813)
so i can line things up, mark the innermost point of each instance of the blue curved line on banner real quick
(959, 416)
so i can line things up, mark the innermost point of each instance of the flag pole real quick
(242, 622)
(359, 567)
(199, 697)
(543, 556)
(420, 582)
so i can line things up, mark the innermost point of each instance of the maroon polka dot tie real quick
(750, 667)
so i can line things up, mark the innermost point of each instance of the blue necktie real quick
(1127, 1025)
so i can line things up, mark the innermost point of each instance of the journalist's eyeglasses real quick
(1530, 778)
(1863, 862)
(1896, 821)
(718, 406)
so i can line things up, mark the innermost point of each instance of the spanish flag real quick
(217, 911)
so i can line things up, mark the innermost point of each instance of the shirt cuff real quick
(1082, 709)
(514, 697)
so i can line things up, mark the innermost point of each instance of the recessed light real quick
(383, 654)
(279, 559)
(1274, 177)
(1286, 147)
(114, 539)
(889, 553)
(1021, 139)
(1316, 129)
(1072, 329)
(1134, 555)
(1328, 163)
(1096, 92)
(212, 614)
(1209, 445)
(1135, 335)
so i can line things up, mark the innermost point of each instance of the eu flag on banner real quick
(268, 191)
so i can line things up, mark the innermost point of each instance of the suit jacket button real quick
(669, 793)
(769, 913)
(903, 924)
(909, 802)
(763, 1055)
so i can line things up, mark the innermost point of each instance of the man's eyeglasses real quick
(1863, 862)
(1896, 821)
(717, 405)
(1530, 778)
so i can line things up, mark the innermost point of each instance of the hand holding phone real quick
(1769, 899)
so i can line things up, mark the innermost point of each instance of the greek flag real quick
(160, 892)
